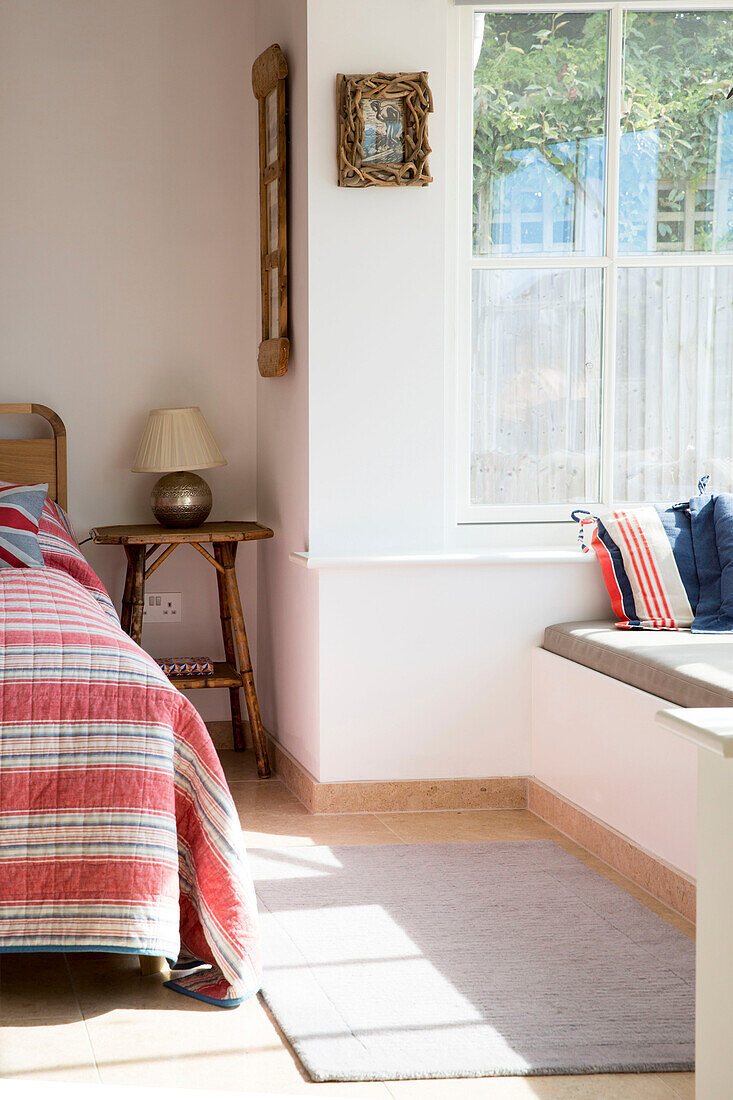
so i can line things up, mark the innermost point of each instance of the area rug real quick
(468, 960)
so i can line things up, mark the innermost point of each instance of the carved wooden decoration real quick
(269, 73)
(383, 130)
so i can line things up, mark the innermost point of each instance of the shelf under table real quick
(223, 676)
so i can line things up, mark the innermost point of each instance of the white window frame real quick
(610, 263)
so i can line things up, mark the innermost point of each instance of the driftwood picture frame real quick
(383, 130)
(269, 84)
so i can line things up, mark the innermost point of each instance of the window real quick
(597, 287)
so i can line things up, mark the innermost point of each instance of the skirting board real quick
(652, 874)
(498, 792)
(222, 736)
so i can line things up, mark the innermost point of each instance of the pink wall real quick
(128, 272)
(287, 671)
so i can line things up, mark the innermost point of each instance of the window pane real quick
(535, 386)
(676, 158)
(539, 126)
(674, 382)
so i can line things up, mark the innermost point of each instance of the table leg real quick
(137, 595)
(127, 594)
(152, 964)
(231, 589)
(229, 652)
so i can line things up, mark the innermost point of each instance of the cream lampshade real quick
(174, 442)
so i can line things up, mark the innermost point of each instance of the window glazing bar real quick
(614, 93)
(596, 5)
(646, 259)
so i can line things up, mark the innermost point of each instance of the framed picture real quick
(269, 73)
(383, 130)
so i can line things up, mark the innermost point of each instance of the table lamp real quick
(176, 441)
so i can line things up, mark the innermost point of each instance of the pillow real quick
(56, 535)
(20, 513)
(648, 564)
(712, 536)
(61, 551)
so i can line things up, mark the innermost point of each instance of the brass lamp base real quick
(181, 500)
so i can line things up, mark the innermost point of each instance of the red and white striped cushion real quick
(659, 594)
(638, 557)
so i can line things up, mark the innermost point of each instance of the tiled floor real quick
(93, 1018)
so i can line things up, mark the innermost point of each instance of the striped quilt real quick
(117, 830)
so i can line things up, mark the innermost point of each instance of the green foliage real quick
(540, 80)
(678, 70)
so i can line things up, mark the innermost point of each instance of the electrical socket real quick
(162, 607)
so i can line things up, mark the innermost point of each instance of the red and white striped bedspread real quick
(117, 830)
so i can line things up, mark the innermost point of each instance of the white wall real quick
(423, 671)
(596, 742)
(377, 300)
(128, 263)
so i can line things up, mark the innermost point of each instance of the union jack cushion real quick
(648, 564)
(20, 514)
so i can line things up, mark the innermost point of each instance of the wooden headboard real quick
(29, 461)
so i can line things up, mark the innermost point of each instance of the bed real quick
(117, 829)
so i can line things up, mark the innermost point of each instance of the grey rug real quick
(468, 960)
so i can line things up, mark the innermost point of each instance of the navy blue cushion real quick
(724, 538)
(712, 536)
(677, 524)
(702, 509)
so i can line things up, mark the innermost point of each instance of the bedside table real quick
(140, 541)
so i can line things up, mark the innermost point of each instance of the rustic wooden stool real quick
(140, 542)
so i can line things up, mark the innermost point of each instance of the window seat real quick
(691, 670)
(603, 770)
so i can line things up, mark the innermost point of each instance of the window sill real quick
(486, 557)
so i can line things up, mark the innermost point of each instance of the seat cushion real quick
(691, 670)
